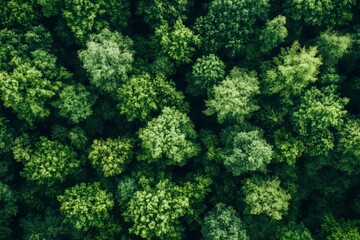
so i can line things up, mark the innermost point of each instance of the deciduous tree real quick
(170, 137)
(75, 103)
(230, 24)
(223, 223)
(273, 34)
(46, 161)
(233, 98)
(86, 206)
(107, 58)
(246, 152)
(111, 155)
(265, 197)
(291, 71)
(177, 42)
(143, 95)
(206, 72)
(319, 111)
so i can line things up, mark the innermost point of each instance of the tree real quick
(294, 231)
(49, 225)
(50, 7)
(291, 72)
(319, 111)
(233, 98)
(332, 47)
(246, 152)
(10, 47)
(8, 209)
(223, 223)
(46, 161)
(157, 11)
(327, 13)
(78, 138)
(273, 34)
(349, 146)
(47, 62)
(125, 190)
(230, 24)
(27, 91)
(142, 95)
(81, 17)
(178, 42)
(265, 197)
(18, 14)
(86, 206)
(156, 212)
(333, 229)
(87, 17)
(111, 155)
(206, 72)
(107, 58)
(286, 147)
(137, 97)
(74, 103)
(170, 136)
(6, 136)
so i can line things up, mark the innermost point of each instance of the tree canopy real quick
(180, 119)
(170, 136)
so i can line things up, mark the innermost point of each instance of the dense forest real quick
(180, 119)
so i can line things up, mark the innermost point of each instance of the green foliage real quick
(286, 147)
(116, 12)
(80, 18)
(223, 223)
(86, 206)
(157, 11)
(265, 197)
(291, 71)
(246, 152)
(8, 209)
(156, 212)
(170, 136)
(78, 138)
(46, 161)
(179, 119)
(319, 111)
(10, 46)
(206, 72)
(47, 226)
(125, 190)
(294, 231)
(49, 7)
(332, 47)
(349, 146)
(142, 95)
(17, 13)
(47, 63)
(86, 17)
(339, 230)
(137, 97)
(39, 39)
(27, 91)
(111, 155)
(230, 24)
(273, 34)
(233, 98)
(6, 136)
(107, 58)
(321, 13)
(74, 103)
(178, 42)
